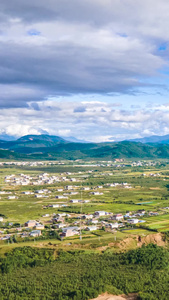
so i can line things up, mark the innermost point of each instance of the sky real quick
(95, 70)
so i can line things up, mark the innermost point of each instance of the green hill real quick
(32, 141)
(41, 138)
(53, 147)
(6, 154)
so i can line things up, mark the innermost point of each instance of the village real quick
(69, 205)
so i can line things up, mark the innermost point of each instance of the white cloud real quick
(19, 130)
(64, 132)
(50, 50)
(97, 122)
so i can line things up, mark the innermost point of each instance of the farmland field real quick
(122, 189)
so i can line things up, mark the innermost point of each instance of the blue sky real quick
(96, 70)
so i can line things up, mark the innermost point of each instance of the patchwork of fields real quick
(115, 189)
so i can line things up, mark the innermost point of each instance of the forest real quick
(34, 273)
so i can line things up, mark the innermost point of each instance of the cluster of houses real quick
(117, 163)
(31, 228)
(72, 224)
(31, 163)
(154, 174)
(116, 184)
(22, 179)
(92, 222)
(144, 163)
(44, 178)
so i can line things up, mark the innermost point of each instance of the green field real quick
(148, 193)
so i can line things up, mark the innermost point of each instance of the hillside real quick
(53, 147)
(107, 151)
(6, 154)
(37, 273)
(32, 141)
(41, 138)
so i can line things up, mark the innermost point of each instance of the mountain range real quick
(54, 147)
(164, 139)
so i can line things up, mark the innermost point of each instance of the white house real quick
(39, 196)
(60, 225)
(39, 226)
(39, 192)
(73, 179)
(60, 215)
(86, 201)
(86, 188)
(35, 233)
(68, 187)
(132, 221)
(61, 197)
(74, 201)
(91, 228)
(100, 213)
(96, 193)
(117, 217)
(92, 221)
(73, 193)
(27, 193)
(87, 217)
(54, 205)
(113, 225)
(12, 197)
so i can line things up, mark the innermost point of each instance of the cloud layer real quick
(54, 49)
(92, 121)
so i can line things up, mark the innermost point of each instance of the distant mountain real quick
(32, 141)
(42, 138)
(75, 140)
(6, 137)
(9, 138)
(164, 139)
(54, 147)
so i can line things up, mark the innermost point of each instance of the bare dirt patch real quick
(135, 241)
(114, 297)
(128, 243)
(156, 238)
